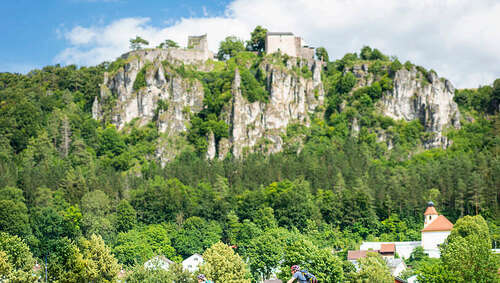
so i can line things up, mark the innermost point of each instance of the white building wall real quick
(191, 263)
(431, 240)
(285, 43)
(403, 249)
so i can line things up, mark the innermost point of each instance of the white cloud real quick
(460, 39)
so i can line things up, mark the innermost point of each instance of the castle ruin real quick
(287, 43)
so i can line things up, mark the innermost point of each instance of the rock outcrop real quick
(428, 99)
(261, 125)
(167, 100)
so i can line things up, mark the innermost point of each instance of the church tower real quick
(436, 230)
(430, 214)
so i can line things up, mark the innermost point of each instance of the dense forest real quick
(85, 199)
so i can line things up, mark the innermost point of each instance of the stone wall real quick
(284, 42)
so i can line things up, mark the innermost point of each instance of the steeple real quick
(430, 214)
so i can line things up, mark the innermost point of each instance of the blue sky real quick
(32, 30)
(460, 39)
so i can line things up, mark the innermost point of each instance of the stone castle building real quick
(287, 43)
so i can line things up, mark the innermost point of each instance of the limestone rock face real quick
(261, 125)
(168, 102)
(429, 100)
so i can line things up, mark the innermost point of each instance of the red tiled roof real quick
(430, 210)
(387, 248)
(441, 223)
(354, 255)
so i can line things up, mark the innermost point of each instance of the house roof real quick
(430, 210)
(387, 248)
(354, 255)
(441, 223)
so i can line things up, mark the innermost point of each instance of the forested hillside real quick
(88, 198)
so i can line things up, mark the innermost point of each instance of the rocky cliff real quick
(168, 99)
(428, 99)
(143, 89)
(262, 124)
(415, 96)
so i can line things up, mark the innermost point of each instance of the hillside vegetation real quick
(72, 187)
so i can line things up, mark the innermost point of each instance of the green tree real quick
(322, 54)
(366, 53)
(222, 264)
(96, 218)
(433, 270)
(229, 47)
(196, 235)
(16, 260)
(264, 254)
(168, 44)
(13, 212)
(102, 266)
(137, 43)
(126, 217)
(65, 263)
(257, 40)
(140, 244)
(320, 262)
(372, 268)
(467, 251)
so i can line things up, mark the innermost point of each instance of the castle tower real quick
(430, 214)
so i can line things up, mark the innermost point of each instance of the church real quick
(436, 230)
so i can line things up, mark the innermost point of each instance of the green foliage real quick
(96, 218)
(467, 253)
(196, 235)
(395, 66)
(372, 268)
(140, 79)
(222, 264)
(140, 244)
(320, 262)
(13, 212)
(16, 260)
(322, 54)
(103, 265)
(175, 273)
(229, 47)
(368, 54)
(137, 43)
(168, 43)
(257, 40)
(346, 83)
(126, 217)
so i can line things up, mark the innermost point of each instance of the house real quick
(403, 249)
(191, 263)
(387, 250)
(436, 229)
(159, 261)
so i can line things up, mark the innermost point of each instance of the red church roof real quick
(430, 210)
(441, 223)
